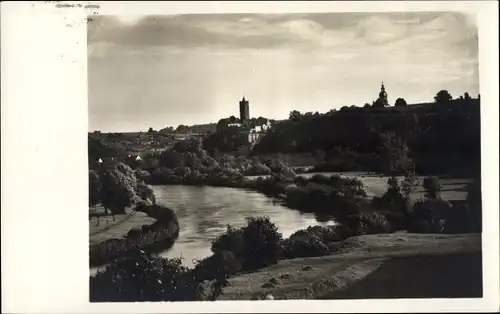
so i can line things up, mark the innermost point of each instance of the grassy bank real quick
(103, 227)
(155, 237)
(397, 265)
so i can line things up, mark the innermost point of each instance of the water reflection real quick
(204, 213)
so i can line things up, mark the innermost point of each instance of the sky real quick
(159, 71)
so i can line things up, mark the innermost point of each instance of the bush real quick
(146, 193)
(300, 181)
(432, 187)
(144, 278)
(258, 169)
(394, 199)
(343, 206)
(320, 179)
(307, 246)
(325, 233)
(134, 232)
(460, 219)
(143, 175)
(219, 266)
(317, 196)
(231, 240)
(268, 186)
(262, 243)
(369, 222)
(162, 214)
(429, 216)
(313, 241)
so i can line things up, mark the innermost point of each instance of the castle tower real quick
(244, 110)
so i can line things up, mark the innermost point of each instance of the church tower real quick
(383, 95)
(244, 110)
(382, 98)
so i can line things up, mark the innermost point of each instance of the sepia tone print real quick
(284, 156)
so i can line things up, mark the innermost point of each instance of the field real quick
(374, 266)
(452, 189)
(376, 185)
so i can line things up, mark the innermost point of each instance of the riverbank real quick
(160, 234)
(315, 263)
(374, 184)
(399, 265)
(103, 228)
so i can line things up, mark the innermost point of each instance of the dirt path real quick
(374, 266)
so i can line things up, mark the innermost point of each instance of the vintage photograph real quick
(284, 156)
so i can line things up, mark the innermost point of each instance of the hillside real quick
(442, 138)
(396, 265)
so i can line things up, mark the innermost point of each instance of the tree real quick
(400, 102)
(119, 188)
(94, 188)
(367, 105)
(432, 187)
(151, 130)
(181, 128)
(168, 129)
(467, 96)
(442, 96)
(395, 155)
(261, 243)
(295, 115)
(171, 159)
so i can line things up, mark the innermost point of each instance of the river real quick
(204, 213)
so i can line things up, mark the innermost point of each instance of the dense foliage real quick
(144, 278)
(441, 137)
(116, 187)
(188, 163)
(94, 188)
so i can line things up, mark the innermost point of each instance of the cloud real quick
(349, 31)
(186, 68)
